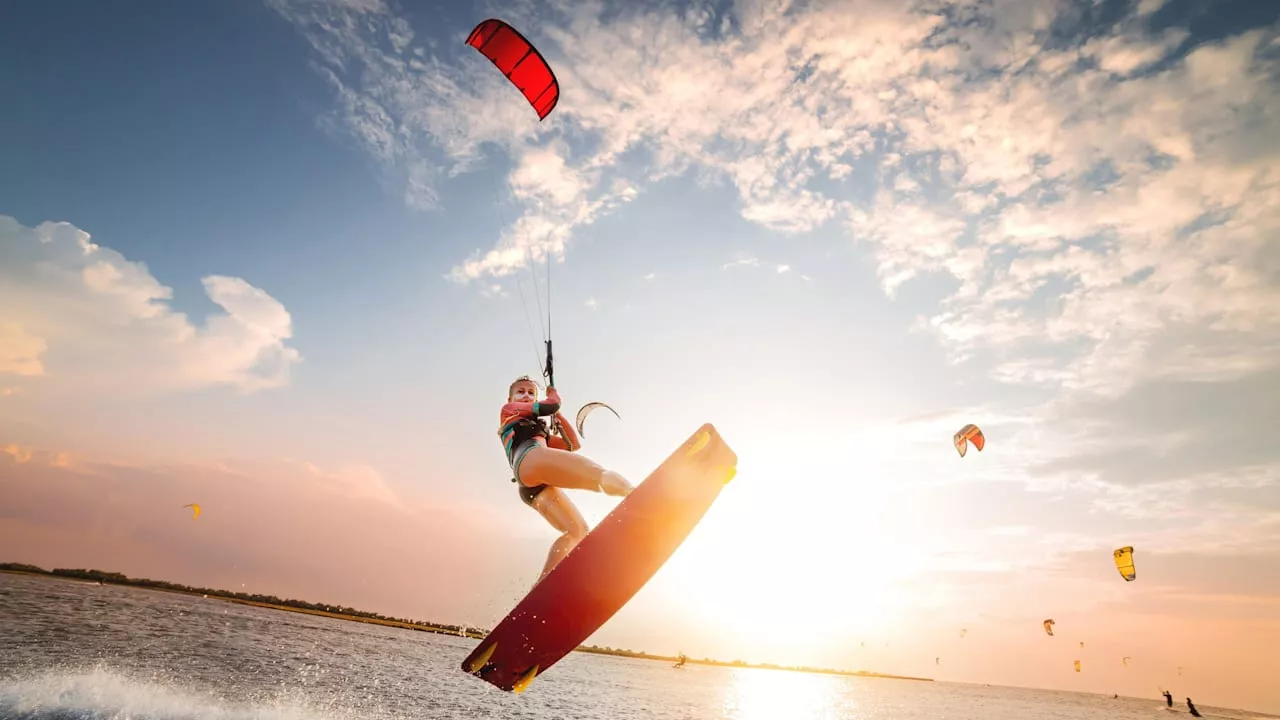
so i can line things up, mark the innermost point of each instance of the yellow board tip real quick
(480, 661)
(730, 473)
(523, 683)
(699, 444)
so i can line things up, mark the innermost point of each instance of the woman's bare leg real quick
(563, 469)
(563, 515)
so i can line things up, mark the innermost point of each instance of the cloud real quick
(1126, 225)
(22, 455)
(1103, 195)
(1167, 430)
(20, 351)
(1174, 573)
(1178, 466)
(743, 260)
(80, 318)
(268, 523)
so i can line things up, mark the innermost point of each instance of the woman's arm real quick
(533, 409)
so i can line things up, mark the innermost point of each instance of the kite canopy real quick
(1124, 563)
(195, 510)
(519, 61)
(585, 410)
(968, 433)
(1048, 626)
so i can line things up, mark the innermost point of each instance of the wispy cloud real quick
(1099, 204)
(743, 260)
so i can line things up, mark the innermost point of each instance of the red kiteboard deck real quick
(608, 567)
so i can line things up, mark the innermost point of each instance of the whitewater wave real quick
(105, 694)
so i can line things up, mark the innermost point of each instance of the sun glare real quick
(795, 557)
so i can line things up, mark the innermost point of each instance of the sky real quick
(283, 259)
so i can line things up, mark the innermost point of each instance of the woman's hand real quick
(566, 432)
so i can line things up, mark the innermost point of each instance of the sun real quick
(791, 550)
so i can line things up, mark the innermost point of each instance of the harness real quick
(525, 429)
(520, 431)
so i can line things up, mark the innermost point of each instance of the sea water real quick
(74, 650)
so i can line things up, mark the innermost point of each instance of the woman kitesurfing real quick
(544, 462)
(542, 458)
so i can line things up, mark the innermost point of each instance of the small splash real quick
(103, 694)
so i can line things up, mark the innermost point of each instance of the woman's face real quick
(524, 392)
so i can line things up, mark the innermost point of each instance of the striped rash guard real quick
(520, 425)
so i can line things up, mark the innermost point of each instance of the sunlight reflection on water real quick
(770, 694)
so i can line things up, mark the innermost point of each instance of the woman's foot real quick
(611, 483)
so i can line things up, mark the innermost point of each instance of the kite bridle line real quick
(545, 366)
(508, 52)
(549, 368)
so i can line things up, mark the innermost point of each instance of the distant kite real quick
(1048, 626)
(195, 510)
(1124, 563)
(968, 433)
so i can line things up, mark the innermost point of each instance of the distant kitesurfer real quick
(1168, 698)
(1191, 707)
(543, 461)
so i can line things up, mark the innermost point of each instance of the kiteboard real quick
(608, 567)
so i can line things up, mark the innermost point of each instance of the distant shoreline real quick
(344, 613)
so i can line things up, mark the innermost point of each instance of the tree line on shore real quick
(122, 579)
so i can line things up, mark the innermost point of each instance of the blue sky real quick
(289, 271)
